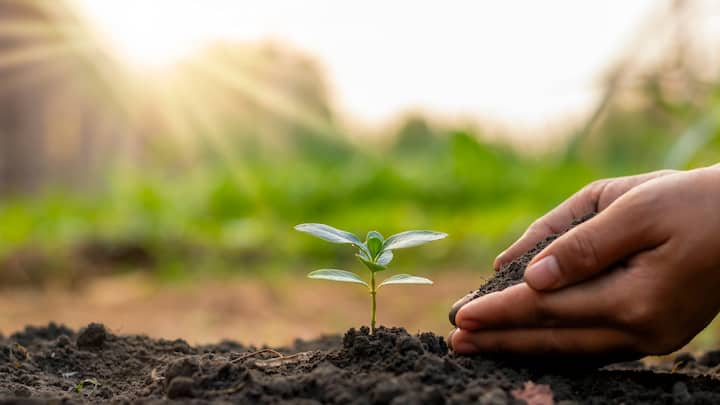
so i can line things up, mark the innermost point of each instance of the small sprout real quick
(375, 253)
(82, 383)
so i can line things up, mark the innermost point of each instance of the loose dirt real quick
(55, 363)
(511, 273)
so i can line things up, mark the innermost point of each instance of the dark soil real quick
(511, 273)
(54, 363)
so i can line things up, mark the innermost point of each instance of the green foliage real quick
(227, 212)
(375, 253)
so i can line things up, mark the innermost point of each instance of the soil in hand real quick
(510, 273)
(389, 367)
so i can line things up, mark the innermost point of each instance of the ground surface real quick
(392, 366)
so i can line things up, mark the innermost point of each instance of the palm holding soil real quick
(640, 277)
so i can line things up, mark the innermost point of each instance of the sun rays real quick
(193, 104)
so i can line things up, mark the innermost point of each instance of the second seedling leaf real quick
(374, 243)
(405, 279)
(411, 238)
(329, 233)
(337, 275)
(385, 258)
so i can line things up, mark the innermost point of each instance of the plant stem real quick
(372, 293)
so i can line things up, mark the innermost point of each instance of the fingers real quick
(544, 341)
(623, 229)
(459, 304)
(522, 306)
(594, 197)
(555, 221)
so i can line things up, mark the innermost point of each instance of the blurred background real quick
(154, 156)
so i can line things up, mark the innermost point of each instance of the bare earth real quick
(246, 309)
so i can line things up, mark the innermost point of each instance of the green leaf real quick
(364, 255)
(411, 238)
(336, 275)
(374, 243)
(385, 258)
(329, 233)
(374, 267)
(405, 279)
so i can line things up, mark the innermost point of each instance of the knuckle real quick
(542, 312)
(643, 201)
(596, 185)
(539, 227)
(595, 189)
(640, 315)
(583, 249)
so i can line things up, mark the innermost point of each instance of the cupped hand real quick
(641, 277)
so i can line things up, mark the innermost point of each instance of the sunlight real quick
(452, 59)
(149, 34)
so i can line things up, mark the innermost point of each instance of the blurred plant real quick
(375, 253)
(92, 381)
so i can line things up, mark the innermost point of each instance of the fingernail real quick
(543, 274)
(456, 307)
(496, 263)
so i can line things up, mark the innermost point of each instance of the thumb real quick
(591, 247)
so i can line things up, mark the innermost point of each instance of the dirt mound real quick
(389, 367)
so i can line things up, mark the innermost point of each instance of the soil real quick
(56, 364)
(511, 273)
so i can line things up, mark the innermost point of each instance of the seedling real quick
(94, 382)
(375, 253)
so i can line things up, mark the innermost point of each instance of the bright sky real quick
(523, 65)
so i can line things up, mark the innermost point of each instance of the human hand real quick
(641, 277)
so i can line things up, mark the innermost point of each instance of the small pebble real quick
(710, 359)
(63, 341)
(92, 336)
(495, 396)
(180, 387)
(184, 367)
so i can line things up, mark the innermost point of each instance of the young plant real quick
(375, 253)
(79, 387)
